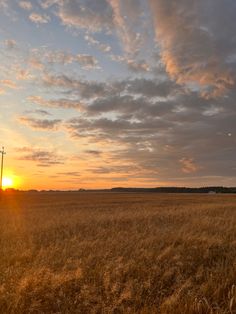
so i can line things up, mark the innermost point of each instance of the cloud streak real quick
(40, 124)
(59, 103)
(86, 14)
(39, 18)
(42, 158)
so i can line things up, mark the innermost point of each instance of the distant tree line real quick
(210, 189)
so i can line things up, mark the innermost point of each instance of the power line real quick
(2, 152)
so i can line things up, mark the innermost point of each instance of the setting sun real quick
(7, 182)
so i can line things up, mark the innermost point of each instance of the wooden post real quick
(3, 153)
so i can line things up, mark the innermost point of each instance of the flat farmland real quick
(91, 252)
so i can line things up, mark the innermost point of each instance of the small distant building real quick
(212, 192)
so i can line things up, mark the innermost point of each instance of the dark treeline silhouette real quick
(208, 189)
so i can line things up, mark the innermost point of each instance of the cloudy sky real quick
(104, 93)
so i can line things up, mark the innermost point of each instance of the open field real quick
(117, 253)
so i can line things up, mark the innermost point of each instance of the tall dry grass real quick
(117, 253)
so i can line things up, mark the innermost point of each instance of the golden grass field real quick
(117, 253)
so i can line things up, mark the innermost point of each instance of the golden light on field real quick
(7, 182)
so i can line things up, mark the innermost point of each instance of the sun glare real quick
(7, 182)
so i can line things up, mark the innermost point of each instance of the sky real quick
(107, 93)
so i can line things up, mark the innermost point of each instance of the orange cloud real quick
(191, 47)
(188, 165)
(124, 19)
(8, 84)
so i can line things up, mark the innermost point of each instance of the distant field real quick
(118, 253)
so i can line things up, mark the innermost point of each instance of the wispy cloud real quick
(39, 112)
(39, 18)
(85, 88)
(188, 165)
(42, 158)
(26, 5)
(59, 103)
(101, 46)
(91, 15)
(121, 19)
(8, 84)
(40, 124)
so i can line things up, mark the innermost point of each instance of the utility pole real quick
(2, 152)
